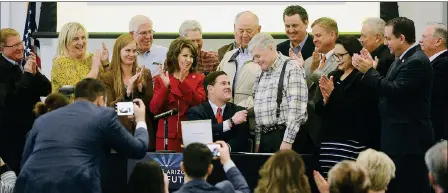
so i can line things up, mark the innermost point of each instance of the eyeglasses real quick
(145, 33)
(15, 46)
(338, 57)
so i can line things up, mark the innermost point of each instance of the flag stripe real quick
(31, 44)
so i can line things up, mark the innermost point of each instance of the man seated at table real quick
(228, 120)
(197, 166)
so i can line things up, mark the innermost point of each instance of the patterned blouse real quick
(69, 71)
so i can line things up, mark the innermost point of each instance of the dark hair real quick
(171, 63)
(52, 102)
(403, 26)
(196, 160)
(296, 9)
(210, 79)
(147, 177)
(350, 43)
(89, 88)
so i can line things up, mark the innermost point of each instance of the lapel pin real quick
(194, 76)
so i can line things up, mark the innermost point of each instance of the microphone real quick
(166, 114)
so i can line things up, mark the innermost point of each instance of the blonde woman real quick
(125, 81)
(284, 172)
(348, 177)
(72, 61)
(380, 168)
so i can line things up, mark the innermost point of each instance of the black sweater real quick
(351, 112)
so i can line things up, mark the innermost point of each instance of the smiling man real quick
(21, 86)
(141, 28)
(295, 18)
(229, 121)
(280, 96)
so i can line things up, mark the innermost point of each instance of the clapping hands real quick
(326, 87)
(297, 57)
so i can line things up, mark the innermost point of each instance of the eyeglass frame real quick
(15, 46)
(339, 57)
(145, 33)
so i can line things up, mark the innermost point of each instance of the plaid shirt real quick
(293, 106)
(208, 61)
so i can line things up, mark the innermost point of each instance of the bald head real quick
(246, 26)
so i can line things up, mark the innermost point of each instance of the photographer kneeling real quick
(197, 166)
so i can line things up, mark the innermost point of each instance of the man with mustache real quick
(295, 18)
(207, 60)
(149, 54)
(21, 86)
(229, 121)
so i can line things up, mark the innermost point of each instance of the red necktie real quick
(219, 115)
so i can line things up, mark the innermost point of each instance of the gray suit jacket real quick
(313, 125)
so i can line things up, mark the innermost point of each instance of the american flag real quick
(31, 44)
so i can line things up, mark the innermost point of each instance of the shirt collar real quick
(10, 60)
(215, 108)
(329, 54)
(436, 55)
(410, 47)
(301, 43)
(276, 62)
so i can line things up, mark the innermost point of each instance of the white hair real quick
(436, 161)
(376, 25)
(189, 25)
(137, 21)
(257, 21)
(262, 39)
(440, 30)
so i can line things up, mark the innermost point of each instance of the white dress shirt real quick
(436, 55)
(225, 123)
(155, 54)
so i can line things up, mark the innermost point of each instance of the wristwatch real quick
(231, 122)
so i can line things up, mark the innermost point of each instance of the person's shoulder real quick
(159, 47)
(283, 44)
(229, 54)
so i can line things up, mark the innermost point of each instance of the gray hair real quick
(436, 160)
(257, 21)
(376, 24)
(189, 25)
(137, 21)
(440, 30)
(262, 39)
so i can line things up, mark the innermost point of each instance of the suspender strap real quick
(280, 87)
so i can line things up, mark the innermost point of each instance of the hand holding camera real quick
(136, 108)
(223, 149)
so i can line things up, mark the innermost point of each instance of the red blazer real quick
(181, 95)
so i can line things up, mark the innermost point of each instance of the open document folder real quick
(199, 131)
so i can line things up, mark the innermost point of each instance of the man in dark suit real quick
(197, 166)
(21, 86)
(434, 44)
(295, 18)
(228, 120)
(404, 104)
(66, 148)
(372, 39)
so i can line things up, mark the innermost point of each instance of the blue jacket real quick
(66, 147)
(235, 184)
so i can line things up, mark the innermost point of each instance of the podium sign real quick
(170, 164)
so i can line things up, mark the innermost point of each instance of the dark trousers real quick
(270, 143)
(411, 175)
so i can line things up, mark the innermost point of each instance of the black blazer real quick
(19, 92)
(439, 105)
(404, 104)
(351, 112)
(385, 59)
(236, 137)
(307, 50)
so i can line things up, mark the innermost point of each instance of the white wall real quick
(13, 14)
(422, 13)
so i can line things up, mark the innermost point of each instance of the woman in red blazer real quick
(178, 87)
